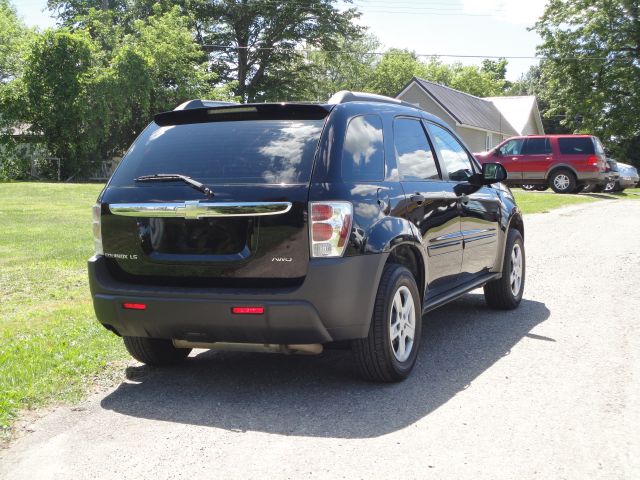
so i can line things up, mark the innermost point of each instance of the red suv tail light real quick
(330, 228)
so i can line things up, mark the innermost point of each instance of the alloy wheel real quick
(402, 324)
(516, 270)
(561, 181)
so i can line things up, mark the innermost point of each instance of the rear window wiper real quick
(170, 177)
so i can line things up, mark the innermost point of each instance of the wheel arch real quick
(516, 222)
(560, 166)
(410, 256)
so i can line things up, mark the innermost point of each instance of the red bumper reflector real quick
(247, 310)
(134, 306)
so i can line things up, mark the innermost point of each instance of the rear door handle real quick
(418, 198)
(514, 158)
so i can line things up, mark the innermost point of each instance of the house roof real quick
(517, 110)
(468, 109)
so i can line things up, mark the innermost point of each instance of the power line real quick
(427, 55)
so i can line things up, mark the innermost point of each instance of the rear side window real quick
(576, 146)
(363, 150)
(248, 151)
(413, 152)
(536, 146)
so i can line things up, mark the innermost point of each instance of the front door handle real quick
(514, 158)
(418, 199)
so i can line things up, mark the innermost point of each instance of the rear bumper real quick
(335, 302)
(628, 182)
(598, 178)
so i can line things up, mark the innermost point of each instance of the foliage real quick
(591, 75)
(396, 68)
(265, 35)
(323, 73)
(14, 39)
(89, 91)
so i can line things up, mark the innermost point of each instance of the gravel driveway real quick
(551, 390)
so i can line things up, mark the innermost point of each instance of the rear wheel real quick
(528, 187)
(506, 292)
(562, 181)
(610, 187)
(155, 351)
(389, 352)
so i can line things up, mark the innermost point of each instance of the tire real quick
(380, 356)
(155, 351)
(528, 187)
(562, 181)
(609, 187)
(501, 293)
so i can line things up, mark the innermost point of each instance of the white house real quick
(482, 123)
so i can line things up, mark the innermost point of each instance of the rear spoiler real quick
(236, 112)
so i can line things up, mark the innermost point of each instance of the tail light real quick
(330, 227)
(597, 161)
(97, 229)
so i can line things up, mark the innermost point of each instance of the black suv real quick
(286, 227)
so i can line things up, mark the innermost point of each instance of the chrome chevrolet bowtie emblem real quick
(190, 211)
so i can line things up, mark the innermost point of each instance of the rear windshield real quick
(248, 151)
(576, 146)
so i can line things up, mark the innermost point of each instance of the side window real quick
(413, 152)
(452, 154)
(512, 147)
(536, 146)
(363, 150)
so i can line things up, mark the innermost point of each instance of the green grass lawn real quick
(51, 345)
(541, 202)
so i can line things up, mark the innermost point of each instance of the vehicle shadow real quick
(322, 396)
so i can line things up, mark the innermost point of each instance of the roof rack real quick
(198, 103)
(345, 96)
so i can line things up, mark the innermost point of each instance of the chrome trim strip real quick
(448, 236)
(481, 237)
(477, 231)
(445, 244)
(193, 210)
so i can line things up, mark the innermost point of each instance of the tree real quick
(14, 39)
(396, 68)
(393, 71)
(592, 68)
(56, 79)
(323, 73)
(255, 39)
(89, 103)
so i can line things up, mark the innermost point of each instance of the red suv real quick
(566, 163)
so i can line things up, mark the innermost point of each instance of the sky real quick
(452, 27)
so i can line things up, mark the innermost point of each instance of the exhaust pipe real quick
(304, 349)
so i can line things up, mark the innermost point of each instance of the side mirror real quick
(493, 173)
